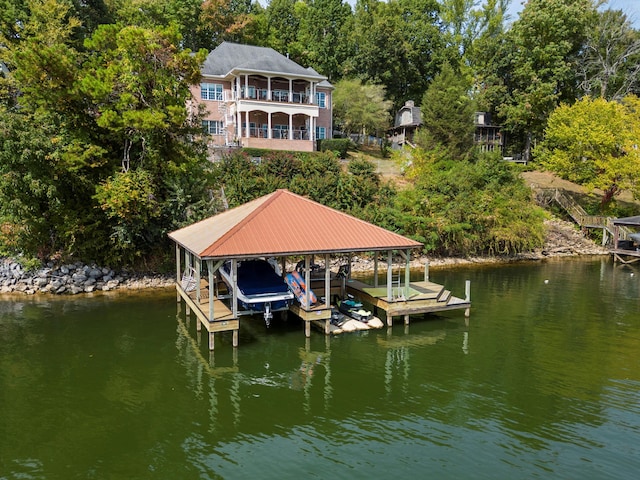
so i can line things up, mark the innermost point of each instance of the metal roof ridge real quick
(264, 201)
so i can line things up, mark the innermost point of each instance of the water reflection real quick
(542, 382)
(231, 389)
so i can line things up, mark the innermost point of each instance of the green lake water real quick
(542, 382)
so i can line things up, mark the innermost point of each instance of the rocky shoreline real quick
(563, 240)
(72, 279)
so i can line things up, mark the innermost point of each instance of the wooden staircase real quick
(546, 196)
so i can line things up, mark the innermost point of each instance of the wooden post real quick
(235, 338)
(327, 281)
(389, 275)
(234, 286)
(211, 341)
(307, 282)
(426, 271)
(211, 288)
(307, 328)
(407, 276)
(198, 268)
(375, 269)
(467, 296)
(406, 319)
(177, 271)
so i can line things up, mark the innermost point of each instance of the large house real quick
(256, 97)
(488, 137)
(407, 121)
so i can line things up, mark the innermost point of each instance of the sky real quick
(630, 7)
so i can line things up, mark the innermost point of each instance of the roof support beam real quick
(375, 269)
(211, 288)
(234, 281)
(327, 280)
(389, 275)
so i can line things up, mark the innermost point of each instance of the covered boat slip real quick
(626, 247)
(284, 226)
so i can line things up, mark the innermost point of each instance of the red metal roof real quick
(283, 223)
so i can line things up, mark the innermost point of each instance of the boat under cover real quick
(260, 288)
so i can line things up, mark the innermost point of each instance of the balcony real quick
(279, 134)
(277, 95)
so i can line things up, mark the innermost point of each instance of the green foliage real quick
(608, 64)
(397, 44)
(322, 35)
(541, 52)
(338, 145)
(470, 208)
(318, 176)
(45, 207)
(594, 143)
(361, 108)
(447, 114)
(100, 152)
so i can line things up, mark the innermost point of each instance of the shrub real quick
(339, 145)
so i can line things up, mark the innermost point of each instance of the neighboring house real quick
(488, 137)
(406, 123)
(256, 97)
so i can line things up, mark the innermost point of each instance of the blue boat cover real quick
(258, 277)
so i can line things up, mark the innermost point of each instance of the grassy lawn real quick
(386, 167)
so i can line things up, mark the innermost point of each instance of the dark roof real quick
(234, 57)
(283, 223)
(415, 116)
(629, 221)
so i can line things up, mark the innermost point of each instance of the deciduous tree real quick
(361, 108)
(609, 65)
(541, 52)
(595, 143)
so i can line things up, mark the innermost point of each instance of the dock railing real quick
(579, 215)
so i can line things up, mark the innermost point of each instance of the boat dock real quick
(420, 298)
(284, 226)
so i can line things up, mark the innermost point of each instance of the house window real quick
(321, 133)
(321, 99)
(213, 127)
(211, 91)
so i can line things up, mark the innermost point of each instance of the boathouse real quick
(285, 227)
(626, 239)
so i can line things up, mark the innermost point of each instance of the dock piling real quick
(467, 296)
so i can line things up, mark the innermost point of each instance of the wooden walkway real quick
(420, 298)
(626, 256)
(584, 220)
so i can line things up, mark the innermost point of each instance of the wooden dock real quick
(222, 319)
(625, 255)
(419, 298)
